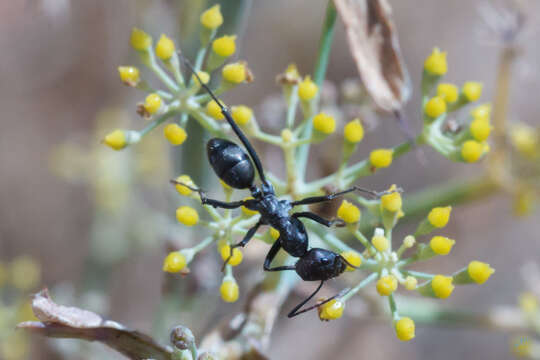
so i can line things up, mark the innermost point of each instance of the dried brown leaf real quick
(374, 45)
(71, 322)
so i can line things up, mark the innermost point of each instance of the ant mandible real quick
(232, 165)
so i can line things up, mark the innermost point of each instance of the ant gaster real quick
(233, 165)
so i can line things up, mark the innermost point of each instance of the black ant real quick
(232, 165)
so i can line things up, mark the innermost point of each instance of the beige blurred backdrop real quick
(58, 65)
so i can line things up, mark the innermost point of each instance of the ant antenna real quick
(231, 122)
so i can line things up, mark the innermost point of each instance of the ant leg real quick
(318, 199)
(296, 311)
(271, 255)
(320, 220)
(211, 202)
(245, 240)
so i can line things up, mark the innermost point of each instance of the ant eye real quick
(325, 261)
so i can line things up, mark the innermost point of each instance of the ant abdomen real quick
(231, 163)
(320, 264)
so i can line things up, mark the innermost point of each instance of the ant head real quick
(320, 264)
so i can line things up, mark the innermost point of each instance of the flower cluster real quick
(382, 263)
(180, 97)
(459, 140)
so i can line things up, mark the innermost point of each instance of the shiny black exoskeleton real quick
(233, 165)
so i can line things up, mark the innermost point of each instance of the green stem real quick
(358, 287)
(319, 74)
(157, 122)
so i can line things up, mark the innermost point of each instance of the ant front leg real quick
(271, 255)
(319, 219)
(249, 235)
(211, 202)
(297, 311)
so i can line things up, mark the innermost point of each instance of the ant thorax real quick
(271, 208)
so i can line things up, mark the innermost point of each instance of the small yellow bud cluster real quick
(441, 245)
(187, 215)
(449, 92)
(235, 73)
(381, 158)
(165, 48)
(212, 18)
(410, 283)
(225, 46)
(203, 75)
(241, 114)
(152, 103)
(116, 139)
(229, 290)
(174, 262)
(472, 151)
(331, 310)
(348, 212)
(324, 123)
(479, 271)
(391, 202)
(439, 216)
(183, 190)
(354, 131)
(405, 329)
(442, 286)
(307, 89)
(386, 285)
(213, 109)
(140, 40)
(380, 242)
(129, 75)
(353, 258)
(435, 107)
(472, 91)
(236, 257)
(435, 63)
(175, 134)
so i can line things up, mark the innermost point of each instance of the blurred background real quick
(91, 224)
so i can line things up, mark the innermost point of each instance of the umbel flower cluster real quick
(378, 257)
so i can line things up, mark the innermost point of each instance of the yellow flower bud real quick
(436, 63)
(435, 107)
(129, 75)
(409, 241)
(229, 291)
(175, 134)
(524, 138)
(391, 202)
(25, 272)
(449, 92)
(203, 75)
(354, 131)
(324, 123)
(165, 48)
(441, 245)
(331, 310)
(307, 89)
(234, 73)
(274, 233)
(187, 215)
(480, 129)
(381, 158)
(439, 216)
(442, 286)
(410, 283)
(386, 285)
(471, 151)
(405, 329)
(182, 190)
(352, 258)
(116, 140)
(174, 262)
(152, 103)
(479, 271)
(472, 90)
(213, 109)
(236, 257)
(481, 112)
(247, 211)
(348, 212)
(140, 40)
(212, 18)
(241, 114)
(225, 46)
(380, 243)
(286, 135)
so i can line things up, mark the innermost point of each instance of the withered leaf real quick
(374, 45)
(71, 322)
